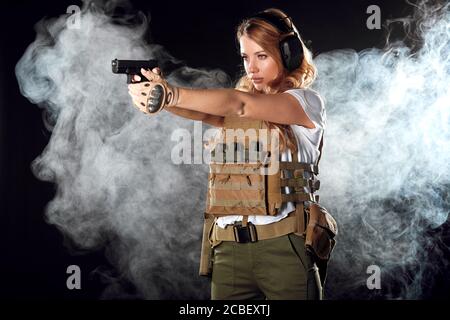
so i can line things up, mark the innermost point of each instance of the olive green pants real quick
(274, 269)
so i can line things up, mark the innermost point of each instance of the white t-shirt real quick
(308, 141)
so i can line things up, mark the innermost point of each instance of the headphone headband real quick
(277, 22)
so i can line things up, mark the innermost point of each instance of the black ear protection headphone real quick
(291, 48)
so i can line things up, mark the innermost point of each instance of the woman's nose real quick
(253, 66)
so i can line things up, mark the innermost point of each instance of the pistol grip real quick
(129, 78)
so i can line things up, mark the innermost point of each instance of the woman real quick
(268, 264)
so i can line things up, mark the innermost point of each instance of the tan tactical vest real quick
(241, 178)
(242, 187)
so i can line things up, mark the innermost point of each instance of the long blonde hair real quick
(269, 37)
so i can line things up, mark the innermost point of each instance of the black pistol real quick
(133, 67)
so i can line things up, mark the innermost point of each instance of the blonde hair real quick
(269, 37)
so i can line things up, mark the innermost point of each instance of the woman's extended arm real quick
(195, 115)
(280, 108)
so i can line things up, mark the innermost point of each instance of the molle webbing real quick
(238, 186)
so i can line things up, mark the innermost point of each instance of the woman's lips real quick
(258, 80)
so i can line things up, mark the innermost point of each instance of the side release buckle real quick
(245, 234)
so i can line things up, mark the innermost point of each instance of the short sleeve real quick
(312, 104)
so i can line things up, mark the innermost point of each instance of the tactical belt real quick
(252, 233)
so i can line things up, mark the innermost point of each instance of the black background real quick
(32, 253)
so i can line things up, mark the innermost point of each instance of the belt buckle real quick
(245, 234)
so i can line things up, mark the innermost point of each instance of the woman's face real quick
(259, 66)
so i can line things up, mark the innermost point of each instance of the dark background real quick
(33, 257)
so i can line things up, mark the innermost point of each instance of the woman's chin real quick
(259, 86)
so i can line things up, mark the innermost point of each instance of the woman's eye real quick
(262, 56)
(244, 58)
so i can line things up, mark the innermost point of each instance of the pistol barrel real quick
(131, 66)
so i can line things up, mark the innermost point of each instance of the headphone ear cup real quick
(291, 52)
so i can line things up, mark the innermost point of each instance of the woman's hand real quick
(153, 95)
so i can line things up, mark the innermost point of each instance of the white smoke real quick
(384, 172)
(385, 168)
(116, 184)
